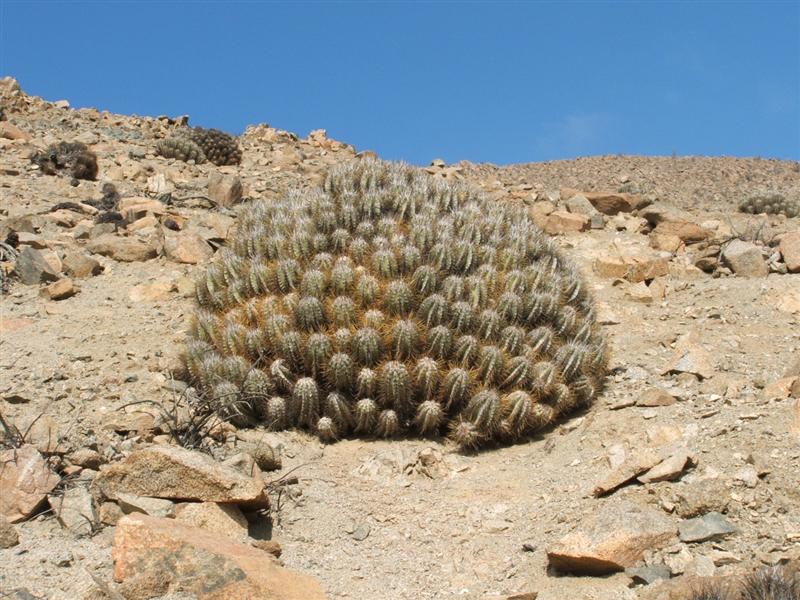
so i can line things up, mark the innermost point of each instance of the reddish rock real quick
(155, 557)
(179, 474)
(25, 481)
(608, 203)
(615, 538)
(690, 357)
(560, 222)
(632, 268)
(665, 242)
(655, 397)
(158, 291)
(668, 469)
(790, 250)
(779, 390)
(137, 207)
(124, 249)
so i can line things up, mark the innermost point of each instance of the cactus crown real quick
(201, 145)
(389, 302)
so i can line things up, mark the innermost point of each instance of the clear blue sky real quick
(497, 82)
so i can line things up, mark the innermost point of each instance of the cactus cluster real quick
(72, 158)
(772, 204)
(200, 145)
(389, 303)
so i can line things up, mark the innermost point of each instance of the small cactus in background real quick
(201, 145)
(772, 204)
(390, 303)
(72, 158)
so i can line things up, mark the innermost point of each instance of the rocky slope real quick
(685, 469)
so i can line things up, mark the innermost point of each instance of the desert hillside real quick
(683, 472)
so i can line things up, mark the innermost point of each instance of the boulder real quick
(225, 190)
(79, 265)
(608, 203)
(8, 535)
(33, 267)
(156, 557)
(124, 249)
(25, 481)
(179, 474)
(615, 538)
(560, 222)
(224, 519)
(186, 247)
(790, 250)
(744, 259)
(59, 290)
(74, 510)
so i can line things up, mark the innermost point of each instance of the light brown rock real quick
(668, 469)
(561, 222)
(176, 473)
(779, 390)
(12, 132)
(744, 259)
(59, 290)
(690, 357)
(656, 397)
(790, 250)
(632, 467)
(158, 291)
(34, 266)
(74, 510)
(138, 207)
(154, 557)
(615, 538)
(608, 203)
(8, 535)
(224, 519)
(579, 204)
(225, 190)
(686, 231)
(25, 481)
(124, 249)
(632, 268)
(155, 507)
(186, 247)
(665, 242)
(794, 426)
(539, 211)
(79, 265)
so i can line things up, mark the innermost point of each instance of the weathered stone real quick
(134, 208)
(658, 212)
(560, 222)
(176, 473)
(608, 203)
(224, 519)
(779, 390)
(86, 457)
(632, 268)
(665, 242)
(747, 475)
(668, 469)
(790, 251)
(640, 462)
(74, 510)
(110, 513)
(690, 357)
(656, 397)
(187, 247)
(794, 427)
(639, 292)
(539, 211)
(8, 535)
(59, 290)
(125, 249)
(615, 538)
(79, 265)
(579, 204)
(12, 132)
(154, 557)
(270, 546)
(155, 507)
(158, 291)
(225, 190)
(648, 574)
(33, 267)
(25, 481)
(711, 526)
(703, 496)
(744, 259)
(686, 231)
(44, 433)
